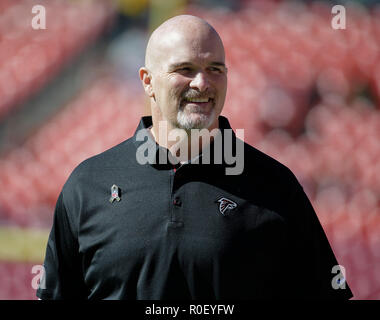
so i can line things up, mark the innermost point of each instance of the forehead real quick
(197, 48)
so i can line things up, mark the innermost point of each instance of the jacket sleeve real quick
(62, 277)
(316, 264)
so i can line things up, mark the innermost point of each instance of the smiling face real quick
(185, 74)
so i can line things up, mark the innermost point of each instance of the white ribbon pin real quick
(115, 193)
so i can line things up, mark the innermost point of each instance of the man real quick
(174, 224)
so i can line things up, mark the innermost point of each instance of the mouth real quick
(199, 102)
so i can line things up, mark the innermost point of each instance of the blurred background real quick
(305, 93)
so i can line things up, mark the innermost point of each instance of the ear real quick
(146, 80)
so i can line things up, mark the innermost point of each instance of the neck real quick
(183, 144)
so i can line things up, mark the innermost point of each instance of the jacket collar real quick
(158, 156)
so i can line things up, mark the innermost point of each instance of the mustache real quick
(194, 94)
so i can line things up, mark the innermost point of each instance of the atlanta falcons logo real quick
(226, 204)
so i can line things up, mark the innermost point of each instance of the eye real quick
(184, 69)
(215, 69)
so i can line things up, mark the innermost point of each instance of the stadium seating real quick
(29, 58)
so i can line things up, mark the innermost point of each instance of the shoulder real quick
(119, 157)
(267, 180)
(262, 165)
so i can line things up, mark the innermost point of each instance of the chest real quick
(193, 224)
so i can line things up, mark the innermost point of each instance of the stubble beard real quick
(187, 121)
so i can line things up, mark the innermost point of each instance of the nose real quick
(200, 82)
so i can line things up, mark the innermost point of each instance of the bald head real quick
(185, 76)
(179, 32)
